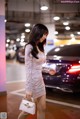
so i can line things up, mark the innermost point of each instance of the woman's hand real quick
(28, 96)
(52, 72)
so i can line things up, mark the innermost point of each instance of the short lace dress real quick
(33, 67)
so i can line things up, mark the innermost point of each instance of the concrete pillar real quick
(50, 38)
(2, 48)
(3, 96)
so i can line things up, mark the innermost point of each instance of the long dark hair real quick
(36, 33)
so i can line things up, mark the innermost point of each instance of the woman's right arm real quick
(28, 68)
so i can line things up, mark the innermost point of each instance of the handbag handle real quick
(32, 99)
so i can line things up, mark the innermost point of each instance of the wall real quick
(66, 42)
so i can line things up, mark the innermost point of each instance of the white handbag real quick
(27, 106)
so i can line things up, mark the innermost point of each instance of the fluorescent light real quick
(5, 20)
(7, 45)
(78, 32)
(18, 39)
(27, 30)
(8, 40)
(27, 24)
(56, 18)
(67, 28)
(22, 36)
(66, 23)
(44, 8)
(56, 32)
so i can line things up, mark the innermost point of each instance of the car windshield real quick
(67, 50)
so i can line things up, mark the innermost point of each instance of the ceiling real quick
(19, 12)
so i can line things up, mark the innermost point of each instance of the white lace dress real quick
(34, 79)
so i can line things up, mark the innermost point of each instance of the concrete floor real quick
(3, 103)
(57, 108)
(54, 111)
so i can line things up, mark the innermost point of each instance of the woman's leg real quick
(41, 107)
(23, 115)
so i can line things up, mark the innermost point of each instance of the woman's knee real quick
(41, 103)
(44, 108)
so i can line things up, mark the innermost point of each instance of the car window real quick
(68, 50)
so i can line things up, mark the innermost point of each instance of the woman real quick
(34, 58)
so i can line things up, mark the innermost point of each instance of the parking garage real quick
(63, 20)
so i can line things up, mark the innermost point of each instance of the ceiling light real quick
(67, 28)
(27, 30)
(22, 36)
(7, 45)
(56, 32)
(78, 32)
(56, 18)
(44, 8)
(5, 20)
(27, 24)
(66, 23)
(18, 39)
(8, 40)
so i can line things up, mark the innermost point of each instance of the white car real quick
(10, 53)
